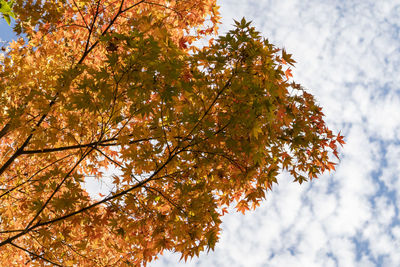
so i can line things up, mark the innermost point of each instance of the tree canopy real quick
(100, 88)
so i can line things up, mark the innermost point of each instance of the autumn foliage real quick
(101, 88)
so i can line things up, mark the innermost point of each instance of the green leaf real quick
(212, 238)
(6, 10)
(7, 18)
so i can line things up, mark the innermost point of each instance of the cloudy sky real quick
(348, 54)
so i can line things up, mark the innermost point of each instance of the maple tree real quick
(99, 86)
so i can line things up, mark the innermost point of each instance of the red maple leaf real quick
(288, 73)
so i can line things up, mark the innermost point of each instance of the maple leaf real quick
(339, 139)
(242, 206)
(288, 73)
(287, 58)
(182, 43)
(6, 10)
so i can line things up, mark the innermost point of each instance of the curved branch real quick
(101, 144)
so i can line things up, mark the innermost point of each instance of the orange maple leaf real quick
(288, 73)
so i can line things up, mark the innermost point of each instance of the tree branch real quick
(59, 186)
(227, 84)
(21, 148)
(120, 11)
(5, 129)
(33, 175)
(83, 18)
(35, 255)
(103, 143)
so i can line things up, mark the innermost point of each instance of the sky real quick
(348, 56)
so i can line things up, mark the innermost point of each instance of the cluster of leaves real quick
(6, 10)
(188, 131)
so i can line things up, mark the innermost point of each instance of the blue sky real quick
(6, 32)
(348, 55)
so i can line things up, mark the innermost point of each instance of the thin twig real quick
(35, 255)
